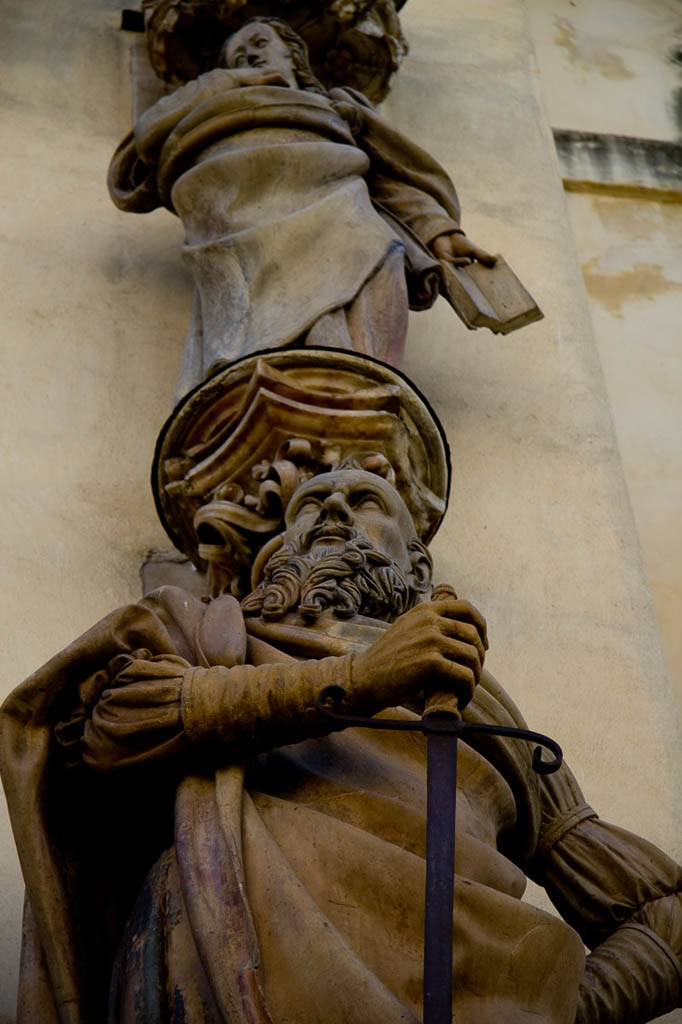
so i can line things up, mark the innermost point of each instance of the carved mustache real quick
(330, 530)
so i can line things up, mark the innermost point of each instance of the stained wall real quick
(631, 258)
(613, 66)
(614, 70)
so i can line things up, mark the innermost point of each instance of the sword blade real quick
(441, 802)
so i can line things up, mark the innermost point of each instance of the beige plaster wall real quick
(539, 532)
(608, 67)
(94, 308)
(612, 65)
(632, 264)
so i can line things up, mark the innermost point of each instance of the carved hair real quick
(297, 47)
(358, 580)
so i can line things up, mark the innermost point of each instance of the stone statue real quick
(200, 845)
(307, 219)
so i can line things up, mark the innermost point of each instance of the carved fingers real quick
(440, 644)
(460, 251)
(457, 637)
(463, 614)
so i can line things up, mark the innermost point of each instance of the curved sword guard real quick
(329, 702)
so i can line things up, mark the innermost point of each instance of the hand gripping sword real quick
(442, 724)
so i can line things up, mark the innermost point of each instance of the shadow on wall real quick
(676, 58)
(677, 107)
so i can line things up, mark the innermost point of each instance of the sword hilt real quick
(442, 702)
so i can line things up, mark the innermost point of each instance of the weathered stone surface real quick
(610, 68)
(619, 164)
(630, 255)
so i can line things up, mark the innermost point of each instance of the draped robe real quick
(199, 846)
(303, 214)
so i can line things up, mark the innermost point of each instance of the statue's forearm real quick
(164, 707)
(634, 975)
(251, 708)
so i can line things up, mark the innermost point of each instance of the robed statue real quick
(307, 218)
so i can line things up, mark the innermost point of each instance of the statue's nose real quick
(336, 507)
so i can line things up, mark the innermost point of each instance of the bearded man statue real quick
(200, 845)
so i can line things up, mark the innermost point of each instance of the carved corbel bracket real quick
(357, 43)
(235, 450)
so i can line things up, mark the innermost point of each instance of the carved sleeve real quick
(415, 208)
(163, 706)
(623, 896)
(404, 179)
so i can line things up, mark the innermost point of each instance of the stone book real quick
(490, 297)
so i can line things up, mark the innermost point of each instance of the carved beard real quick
(354, 580)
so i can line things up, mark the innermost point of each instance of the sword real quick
(443, 725)
(441, 712)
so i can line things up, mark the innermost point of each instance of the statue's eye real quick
(241, 61)
(260, 43)
(308, 505)
(368, 501)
